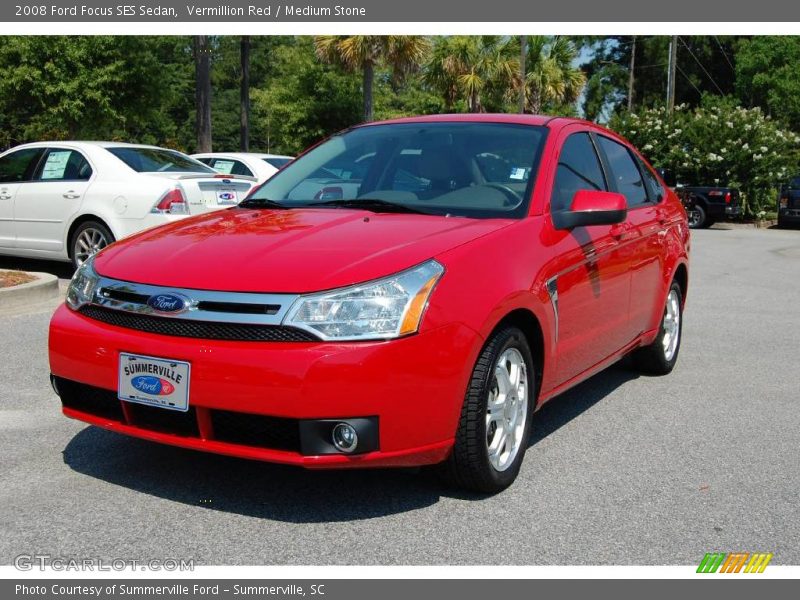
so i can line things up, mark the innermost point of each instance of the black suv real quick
(789, 203)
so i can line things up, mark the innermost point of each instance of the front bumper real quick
(413, 387)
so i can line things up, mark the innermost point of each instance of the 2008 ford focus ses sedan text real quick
(405, 293)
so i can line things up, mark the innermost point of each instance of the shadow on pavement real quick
(292, 494)
(62, 270)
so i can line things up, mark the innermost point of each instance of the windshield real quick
(158, 160)
(457, 168)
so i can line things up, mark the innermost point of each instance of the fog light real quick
(344, 437)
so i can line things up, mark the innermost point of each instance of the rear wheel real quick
(90, 237)
(659, 358)
(697, 217)
(495, 419)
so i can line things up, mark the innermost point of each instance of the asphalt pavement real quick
(623, 469)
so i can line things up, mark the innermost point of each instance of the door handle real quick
(71, 195)
(5, 197)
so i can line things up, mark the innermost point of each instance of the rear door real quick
(43, 207)
(16, 169)
(643, 193)
(590, 285)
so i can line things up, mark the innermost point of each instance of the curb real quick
(45, 287)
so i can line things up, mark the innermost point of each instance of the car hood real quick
(285, 251)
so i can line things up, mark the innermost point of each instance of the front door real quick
(15, 169)
(43, 207)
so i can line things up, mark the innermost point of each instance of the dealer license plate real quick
(154, 381)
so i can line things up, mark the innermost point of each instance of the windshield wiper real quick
(374, 205)
(262, 203)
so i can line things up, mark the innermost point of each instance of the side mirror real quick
(592, 208)
(668, 176)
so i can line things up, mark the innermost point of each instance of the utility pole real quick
(630, 75)
(523, 56)
(673, 61)
(244, 95)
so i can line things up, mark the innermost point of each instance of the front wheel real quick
(494, 427)
(88, 238)
(659, 358)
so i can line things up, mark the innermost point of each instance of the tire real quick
(88, 238)
(659, 358)
(698, 218)
(470, 465)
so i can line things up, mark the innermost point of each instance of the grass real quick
(12, 278)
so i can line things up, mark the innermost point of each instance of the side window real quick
(624, 171)
(64, 165)
(231, 167)
(18, 166)
(654, 189)
(578, 169)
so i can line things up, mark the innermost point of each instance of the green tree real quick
(768, 75)
(482, 71)
(551, 78)
(365, 53)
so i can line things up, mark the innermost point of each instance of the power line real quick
(725, 54)
(689, 80)
(697, 60)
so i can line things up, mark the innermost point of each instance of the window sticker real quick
(224, 166)
(519, 173)
(56, 164)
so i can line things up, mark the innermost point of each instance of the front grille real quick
(88, 399)
(256, 430)
(207, 330)
(164, 420)
(275, 433)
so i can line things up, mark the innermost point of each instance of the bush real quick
(717, 143)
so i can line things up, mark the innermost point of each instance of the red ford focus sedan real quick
(406, 293)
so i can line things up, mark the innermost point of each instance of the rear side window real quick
(624, 172)
(64, 165)
(229, 166)
(19, 166)
(654, 189)
(277, 162)
(578, 169)
(158, 160)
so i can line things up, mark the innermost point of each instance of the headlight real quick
(381, 309)
(81, 288)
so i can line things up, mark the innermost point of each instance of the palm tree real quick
(469, 67)
(551, 77)
(402, 53)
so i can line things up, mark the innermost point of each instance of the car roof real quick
(84, 143)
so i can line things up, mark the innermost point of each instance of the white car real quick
(67, 200)
(260, 166)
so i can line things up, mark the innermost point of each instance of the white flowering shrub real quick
(717, 143)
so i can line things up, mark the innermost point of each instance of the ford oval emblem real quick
(167, 303)
(152, 385)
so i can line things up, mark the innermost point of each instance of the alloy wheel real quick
(507, 409)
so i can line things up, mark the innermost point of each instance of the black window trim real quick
(607, 166)
(37, 172)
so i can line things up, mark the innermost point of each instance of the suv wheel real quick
(494, 427)
(697, 217)
(659, 358)
(88, 238)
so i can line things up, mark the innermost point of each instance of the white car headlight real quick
(381, 309)
(82, 287)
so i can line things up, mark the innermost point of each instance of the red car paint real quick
(612, 282)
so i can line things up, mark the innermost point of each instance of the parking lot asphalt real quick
(623, 469)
